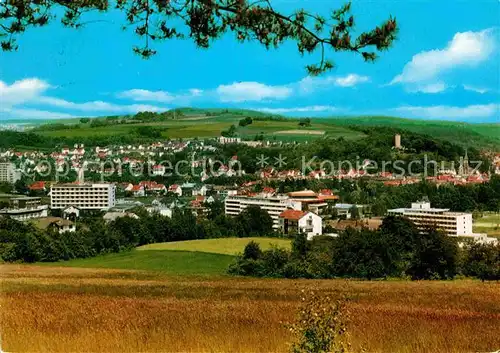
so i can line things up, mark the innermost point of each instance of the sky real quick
(445, 65)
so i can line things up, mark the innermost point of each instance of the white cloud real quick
(15, 113)
(450, 112)
(195, 92)
(466, 49)
(251, 91)
(480, 90)
(312, 109)
(142, 95)
(310, 84)
(98, 106)
(17, 96)
(21, 91)
(351, 80)
(431, 88)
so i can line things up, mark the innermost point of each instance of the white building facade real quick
(83, 196)
(8, 173)
(25, 208)
(274, 206)
(423, 215)
(301, 222)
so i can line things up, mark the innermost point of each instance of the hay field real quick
(226, 246)
(54, 309)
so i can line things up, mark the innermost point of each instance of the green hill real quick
(192, 257)
(165, 261)
(206, 123)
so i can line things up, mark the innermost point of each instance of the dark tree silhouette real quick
(206, 20)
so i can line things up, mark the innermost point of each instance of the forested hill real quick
(248, 124)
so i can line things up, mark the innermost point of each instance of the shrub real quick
(274, 261)
(246, 121)
(296, 268)
(481, 261)
(252, 251)
(321, 326)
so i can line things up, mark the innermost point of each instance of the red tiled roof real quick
(38, 185)
(292, 214)
(325, 192)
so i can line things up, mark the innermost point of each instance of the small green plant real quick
(321, 326)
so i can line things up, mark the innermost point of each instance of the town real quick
(249, 176)
(203, 180)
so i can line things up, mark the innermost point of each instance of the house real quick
(113, 216)
(327, 195)
(38, 186)
(317, 174)
(187, 189)
(71, 213)
(137, 190)
(161, 209)
(203, 190)
(295, 221)
(345, 210)
(158, 170)
(152, 186)
(176, 189)
(268, 191)
(55, 223)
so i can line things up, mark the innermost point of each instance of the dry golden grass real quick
(46, 309)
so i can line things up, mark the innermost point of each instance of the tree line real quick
(396, 250)
(23, 241)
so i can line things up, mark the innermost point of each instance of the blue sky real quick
(445, 65)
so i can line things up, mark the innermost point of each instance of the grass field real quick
(170, 262)
(209, 257)
(489, 224)
(226, 246)
(204, 127)
(55, 309)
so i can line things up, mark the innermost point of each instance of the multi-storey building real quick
(422, 215)
(274, 206)
(82, 196)
(25, 208)
(8, 173)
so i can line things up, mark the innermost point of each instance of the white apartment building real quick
(83, 196)
(25, 208)
(234, 205)
(423, 215)
(8, 173)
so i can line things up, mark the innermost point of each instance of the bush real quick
(252, 251)
(296, 268)
(274, 261)
(321, 326)
(481, 261)
(246, 121)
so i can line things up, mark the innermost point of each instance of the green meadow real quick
(206, 123)
(193, 257)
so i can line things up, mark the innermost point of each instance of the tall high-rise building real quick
(83, 196)
(8, 173)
